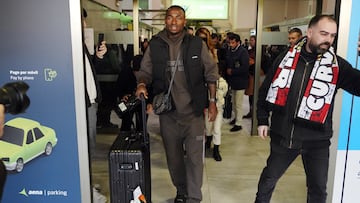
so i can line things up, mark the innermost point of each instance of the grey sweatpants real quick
(180, 135)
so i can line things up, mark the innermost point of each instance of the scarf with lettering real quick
(320, 89)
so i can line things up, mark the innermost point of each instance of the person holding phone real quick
(93, 98)
(93, 94)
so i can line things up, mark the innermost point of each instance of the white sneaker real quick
(98, 197)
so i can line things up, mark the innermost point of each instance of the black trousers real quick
(316, 164)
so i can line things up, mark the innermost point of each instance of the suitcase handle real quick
(144, 123)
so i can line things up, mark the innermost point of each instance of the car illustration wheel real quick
(48, 149)
(19, 165)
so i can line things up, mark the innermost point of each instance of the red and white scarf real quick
(317, 98)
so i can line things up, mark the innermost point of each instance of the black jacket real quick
(285, 128)
(238, 61)
(192, 46)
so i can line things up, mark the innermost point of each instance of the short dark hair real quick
(234, 36)
(214, 35)
(314, 20)
(295, 29)
(174, 7)
(229, 33)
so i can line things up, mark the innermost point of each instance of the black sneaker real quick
(216, 154)
(235, 128)
(180, 199)
(249, 115)
(232, 122)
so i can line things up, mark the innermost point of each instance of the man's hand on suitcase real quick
(141, 89)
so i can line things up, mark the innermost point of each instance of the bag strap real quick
(173, 74)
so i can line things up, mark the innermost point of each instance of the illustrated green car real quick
(23, 140)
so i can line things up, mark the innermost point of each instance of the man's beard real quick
(317, 49)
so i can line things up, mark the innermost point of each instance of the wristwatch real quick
(212, 100)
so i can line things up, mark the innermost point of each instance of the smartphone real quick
(100, 39)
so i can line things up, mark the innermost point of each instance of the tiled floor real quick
(233, 180)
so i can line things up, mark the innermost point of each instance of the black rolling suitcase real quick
(129, 164)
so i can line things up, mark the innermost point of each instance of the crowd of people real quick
(299, 126)
(204, 68)
(230, 66)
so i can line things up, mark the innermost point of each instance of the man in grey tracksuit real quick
(183, 128)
